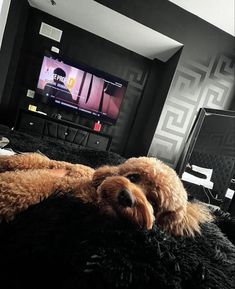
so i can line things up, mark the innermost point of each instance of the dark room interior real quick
(117, 144)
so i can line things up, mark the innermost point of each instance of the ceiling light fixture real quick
(53, 3)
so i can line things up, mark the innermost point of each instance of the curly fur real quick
(164, 191)
(155, 190)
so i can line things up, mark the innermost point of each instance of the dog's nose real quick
(125, 198)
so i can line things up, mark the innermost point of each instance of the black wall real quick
(150, 108)
(10, 53)
(81, 46)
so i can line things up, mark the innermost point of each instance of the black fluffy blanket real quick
(61, 243)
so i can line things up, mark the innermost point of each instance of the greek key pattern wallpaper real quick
(207, 83)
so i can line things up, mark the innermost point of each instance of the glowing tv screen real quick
(91, 92)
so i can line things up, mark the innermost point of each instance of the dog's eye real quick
(134, 178)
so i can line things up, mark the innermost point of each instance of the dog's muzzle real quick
(125, 198)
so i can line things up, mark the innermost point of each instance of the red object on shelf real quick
(97, 126)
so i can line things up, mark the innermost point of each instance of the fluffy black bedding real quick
(61, 243)
(60, 150)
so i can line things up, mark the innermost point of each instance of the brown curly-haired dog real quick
(26, 179)
(164, 191)
(141, 189)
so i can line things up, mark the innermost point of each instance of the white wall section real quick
(4, 8)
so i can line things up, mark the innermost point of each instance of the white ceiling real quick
(220, 13)
(4, 8)
(117, 28)
(111, 25)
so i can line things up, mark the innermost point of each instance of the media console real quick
(47, 127)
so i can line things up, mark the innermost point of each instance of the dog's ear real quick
(195, 215)
(173, 211)
(102, 173)
(185, 221)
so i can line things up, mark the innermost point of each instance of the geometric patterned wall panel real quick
(205, 83)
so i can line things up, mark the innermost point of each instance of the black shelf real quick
(45, 126)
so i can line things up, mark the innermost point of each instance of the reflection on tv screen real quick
(79, 89)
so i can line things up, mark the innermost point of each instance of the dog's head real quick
(120, 197)
(141, 186)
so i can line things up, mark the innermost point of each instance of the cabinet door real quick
(51, 130)
(65, 133)
(31, 124)
(81, 137)
(58, 131)
(97, 142)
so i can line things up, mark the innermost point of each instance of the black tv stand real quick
(48, 127)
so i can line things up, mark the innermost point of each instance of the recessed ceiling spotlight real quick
(53, 3)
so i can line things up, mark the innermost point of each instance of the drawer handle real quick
(97, 142)
(31, 123)
(66, 133)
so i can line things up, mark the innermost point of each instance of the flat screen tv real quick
(92, 92)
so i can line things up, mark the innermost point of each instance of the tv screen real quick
(82, 88)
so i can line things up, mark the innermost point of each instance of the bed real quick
(61, 243)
